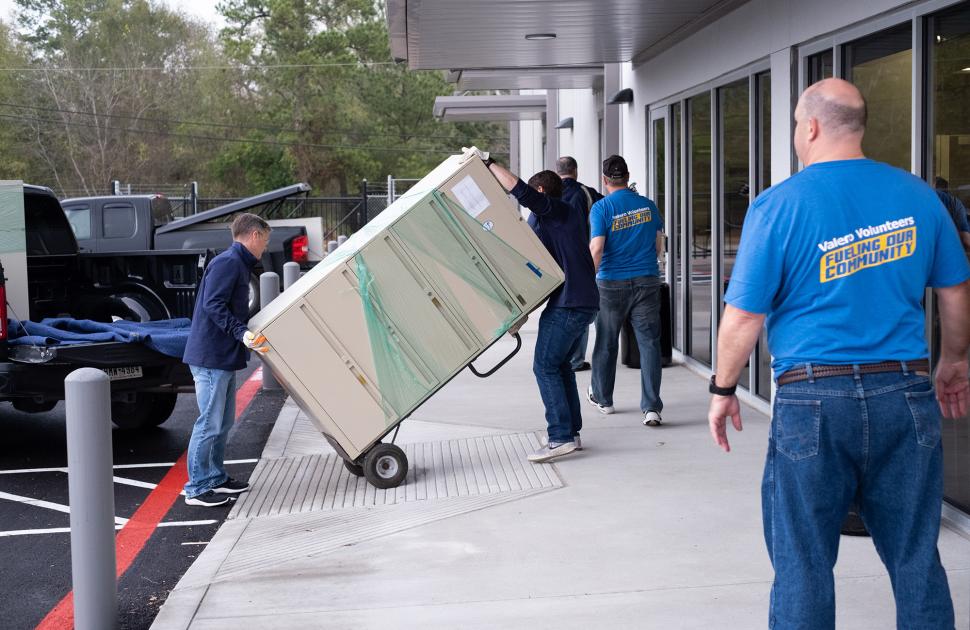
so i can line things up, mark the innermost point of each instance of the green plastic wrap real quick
(400, 387)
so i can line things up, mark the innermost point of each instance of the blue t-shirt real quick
(838, 257)
(630, 224)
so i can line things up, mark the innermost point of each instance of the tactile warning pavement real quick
(468, 467)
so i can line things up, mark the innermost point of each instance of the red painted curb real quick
(139, 528)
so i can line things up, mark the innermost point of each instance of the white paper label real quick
(470, 196)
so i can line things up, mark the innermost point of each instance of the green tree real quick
(321, 70)
(109, 88)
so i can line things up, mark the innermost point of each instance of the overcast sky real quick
(202, 9)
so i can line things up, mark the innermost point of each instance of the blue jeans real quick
(578, 357)
(872, 438)
(559, 332)
(215, 391)
(639, 299)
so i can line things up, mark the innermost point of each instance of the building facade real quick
(699, 98)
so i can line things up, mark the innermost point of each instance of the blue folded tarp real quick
(167, 336)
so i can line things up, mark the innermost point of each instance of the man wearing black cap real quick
(627, 234)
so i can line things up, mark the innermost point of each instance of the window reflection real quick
(881, 66)
(735, 187)
(701, 267)
(763, 130)
(949, 133)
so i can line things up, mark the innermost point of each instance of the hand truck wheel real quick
(385, 466)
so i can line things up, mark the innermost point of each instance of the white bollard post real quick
(340, 240)
(87, 395)
(331, 245)
(291, 273)
(269, 289)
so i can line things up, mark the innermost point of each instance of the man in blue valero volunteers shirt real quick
(627, 234)
(836, 260)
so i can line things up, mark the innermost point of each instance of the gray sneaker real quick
(578, 441)
(604, 409)
(551, 451)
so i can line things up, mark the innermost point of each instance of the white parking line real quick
(134, 482)
(67, 530)
(57, 507)
(27, 471)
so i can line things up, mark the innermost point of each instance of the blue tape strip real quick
(534, 269)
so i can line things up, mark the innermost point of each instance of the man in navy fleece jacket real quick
(216, 348)
(570, 310)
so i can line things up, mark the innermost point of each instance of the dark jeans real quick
(639, 299)
(559, 332)
(578, 357)
(872, 438)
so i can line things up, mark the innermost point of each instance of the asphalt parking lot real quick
(35, 524)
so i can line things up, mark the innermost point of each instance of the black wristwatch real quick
(721, 391)
(489, 162)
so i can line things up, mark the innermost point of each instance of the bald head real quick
(838, 105)
(830, 122)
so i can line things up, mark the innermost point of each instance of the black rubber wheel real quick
(147, 411)
(385, 466)
(355, 469)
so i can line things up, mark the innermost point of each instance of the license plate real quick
(122, 373)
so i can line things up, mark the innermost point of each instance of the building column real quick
(784, 79)
(552, 134)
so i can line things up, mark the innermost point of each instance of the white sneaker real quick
(604, 409)
(551, 451)
(652, 419)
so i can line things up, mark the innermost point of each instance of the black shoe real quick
(584, 366)
(207, 499)
(231, 486)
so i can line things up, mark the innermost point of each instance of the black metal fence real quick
(341, 215)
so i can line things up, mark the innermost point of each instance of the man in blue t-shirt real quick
(570, 308)
(627, 234)
(837, 258)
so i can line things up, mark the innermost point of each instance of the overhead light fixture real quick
(623, 96)
(967, 69)
(536, 37)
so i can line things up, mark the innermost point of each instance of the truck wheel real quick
(138, 307)
(148, 410)
(29, 405)
(385, 466)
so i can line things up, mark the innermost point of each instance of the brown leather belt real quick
(920, 366)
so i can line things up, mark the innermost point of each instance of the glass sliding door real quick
(948, 135)
(734, 184)
(881, 66)
(820, 66)
(701, 268)
(763, 169)
(676, 229)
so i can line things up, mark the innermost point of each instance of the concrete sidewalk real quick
(646, 528)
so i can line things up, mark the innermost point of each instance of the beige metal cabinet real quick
(401, 307)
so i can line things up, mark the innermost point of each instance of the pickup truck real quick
(124, 223)
(63, 282)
